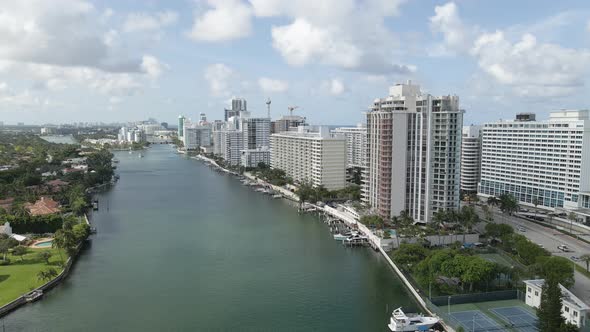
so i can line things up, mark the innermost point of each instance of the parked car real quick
(541, 246)
(575, 258)
(563, 248)
(521, 229)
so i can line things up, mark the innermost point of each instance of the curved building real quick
(470, 158)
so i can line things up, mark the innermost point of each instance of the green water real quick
(182, 248)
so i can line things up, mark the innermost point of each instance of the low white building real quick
(252, 157)
(6, 229)
(573, 309)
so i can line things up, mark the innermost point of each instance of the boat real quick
(340, 237)
(140, 155)
(33, 296)
(277, 196)
(400, 322)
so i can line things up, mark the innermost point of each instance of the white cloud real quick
(301, 43)
(152, 66)
(218, 76)
(146, 22)
(334, 87)
(224, 20)
(340, 33)
(270, 85)
(530, 67)
(457, 36)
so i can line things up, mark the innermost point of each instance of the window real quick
(536, 293)
(529, 290)
(567, 309)
(575, 314)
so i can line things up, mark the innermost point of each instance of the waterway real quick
(181, 247)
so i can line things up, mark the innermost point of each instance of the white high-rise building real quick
(181, 120)
(256, 132)
(547, 161)
(231, 145)
(195, 136)
(413, 153)
(356, 144)
(313, 157)
(470, 158)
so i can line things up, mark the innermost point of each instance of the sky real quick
(65, 61)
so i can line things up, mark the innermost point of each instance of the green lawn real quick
(20, 276)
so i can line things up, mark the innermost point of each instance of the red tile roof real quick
(43, 206)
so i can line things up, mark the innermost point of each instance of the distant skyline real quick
(64, 61)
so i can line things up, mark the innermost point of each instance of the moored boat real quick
(400, 322)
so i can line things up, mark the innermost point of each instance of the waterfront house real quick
(43, 206)
(573, 309)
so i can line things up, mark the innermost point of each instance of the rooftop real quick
(569, 297)
(43, 206)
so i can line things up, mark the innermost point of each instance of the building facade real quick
(231, 145)
(196, 137)
(413, 153)
(288, 122)
(256, 132)
(470, 158)
(547, 161)
(356, 144)
(313, 157)
(573, 309)
(252, 157)
(181, 119)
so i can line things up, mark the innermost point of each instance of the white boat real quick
(400, 322)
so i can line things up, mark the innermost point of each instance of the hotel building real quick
(544, 160)
(470, 158)
(313, 157)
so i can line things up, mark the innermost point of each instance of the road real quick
(549, 239)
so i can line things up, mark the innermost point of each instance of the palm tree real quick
(493, 201)
(572, 217)
(536, 201)
(586, 259)
(468, 218)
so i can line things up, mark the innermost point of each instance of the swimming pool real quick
(44, 244)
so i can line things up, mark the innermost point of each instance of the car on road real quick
(563, 248)
(521, 229)
(541, 246)
(575, 258)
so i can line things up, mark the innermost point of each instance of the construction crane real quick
(291, 109)
(268, 108)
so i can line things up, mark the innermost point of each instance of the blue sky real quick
(78, 60)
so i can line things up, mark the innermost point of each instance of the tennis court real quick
(518, 318)
(476, 321)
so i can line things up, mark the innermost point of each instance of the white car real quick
(521, 229)
(563, 248)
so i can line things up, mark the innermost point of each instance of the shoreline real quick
(335, 213)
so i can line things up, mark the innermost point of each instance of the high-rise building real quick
(546, 162)
(181, 119)
(356, 150)
(238, 105)
(356, 144)
(313, 157)
(195, 136)
(470, 158)
(231, 145)
(413, 153)
(256, 132)
(287, 123)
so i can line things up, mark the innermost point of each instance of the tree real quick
(19, 251)
(409, 254)
(65, 239)
(81, 231)
(498, 231)
(468, 218)
(557, 268)
(508, 203)
(4, 246)
(572, 217)
(549, 312)
(493, 201)
(46, 275)
(586, 259)
(45, 256)
(536, 202)
(374, 220)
